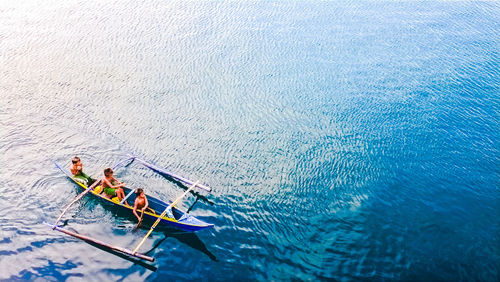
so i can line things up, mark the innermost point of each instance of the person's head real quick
(75, 160)
(108, 172)
(139, 191)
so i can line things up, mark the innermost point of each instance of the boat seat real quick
(98, 189)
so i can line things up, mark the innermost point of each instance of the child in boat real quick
(111, 186)
(141, 203)
(77, 171)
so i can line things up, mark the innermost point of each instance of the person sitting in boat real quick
(111, 186)
(77, 171)
(141, 203)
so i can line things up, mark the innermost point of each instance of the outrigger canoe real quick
(176, 218)
(180, 219)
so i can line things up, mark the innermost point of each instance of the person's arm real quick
(146, 204)
(111, 185)
(135, 212)
(120, 184)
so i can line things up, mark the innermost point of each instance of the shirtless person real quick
(77, 171)
(141, 203)
(111, 186)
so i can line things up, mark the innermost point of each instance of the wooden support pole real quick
(76, 199)
(100, 243)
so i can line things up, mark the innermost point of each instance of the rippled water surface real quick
(344, 140)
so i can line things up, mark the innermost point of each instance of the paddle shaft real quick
(76, 199)
(162, 215)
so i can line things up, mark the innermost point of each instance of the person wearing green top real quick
(111, 186)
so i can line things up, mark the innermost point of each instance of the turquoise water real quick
(344, 140)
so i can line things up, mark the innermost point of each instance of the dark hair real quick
(108, 171)
(75, 159)
(139, 191)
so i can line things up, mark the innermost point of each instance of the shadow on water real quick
(192, 205)
(187, 238)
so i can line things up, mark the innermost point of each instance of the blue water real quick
(344, 140)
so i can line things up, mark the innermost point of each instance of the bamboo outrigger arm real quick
(76, 199)
(163, 171)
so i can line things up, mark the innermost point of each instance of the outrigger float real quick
(175, 218)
